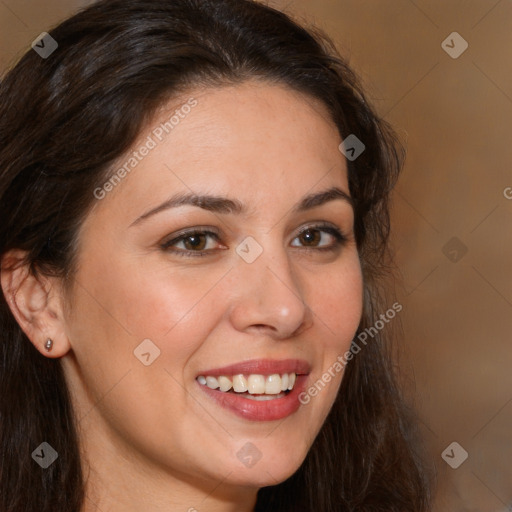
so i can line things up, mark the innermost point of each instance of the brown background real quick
(454, 117)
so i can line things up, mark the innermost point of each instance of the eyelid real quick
(335, 231)
(184, 233)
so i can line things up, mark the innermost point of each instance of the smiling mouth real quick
(257, 389)
(252, 386)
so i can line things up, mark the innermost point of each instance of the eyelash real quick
(340, 240)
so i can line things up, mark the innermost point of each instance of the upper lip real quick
(262, 367)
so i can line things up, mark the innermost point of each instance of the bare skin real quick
(152, 439)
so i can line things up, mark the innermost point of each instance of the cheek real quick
(116, 307)
(176, 310)
(128, 303)
(337, 302)
(179, 309)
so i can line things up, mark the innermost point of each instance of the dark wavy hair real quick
(66, 119)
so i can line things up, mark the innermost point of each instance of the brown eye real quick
(197, 241)
(312, 236)
(194, 243)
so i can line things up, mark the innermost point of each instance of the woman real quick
(194, 204)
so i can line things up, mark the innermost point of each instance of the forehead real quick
(258, 140)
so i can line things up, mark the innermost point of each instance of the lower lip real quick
(267, 410)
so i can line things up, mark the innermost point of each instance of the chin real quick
(264, 473)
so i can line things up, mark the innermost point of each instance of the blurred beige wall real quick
(21, 21)
(452, 221)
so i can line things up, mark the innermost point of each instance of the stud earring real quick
(48, 345)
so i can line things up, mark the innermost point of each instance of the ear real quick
(36, 303)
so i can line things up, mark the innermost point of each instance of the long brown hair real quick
(66, 118)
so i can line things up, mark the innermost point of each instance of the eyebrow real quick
(225, 205)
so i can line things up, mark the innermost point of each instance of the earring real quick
(48, 345)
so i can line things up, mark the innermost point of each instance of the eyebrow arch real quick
(225, 205)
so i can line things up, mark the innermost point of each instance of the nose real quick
(267, 297)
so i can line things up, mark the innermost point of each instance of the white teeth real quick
(263, 398)
(284, 382)
(255, 384)
(291, 380)
(212, 382)
(239, 383)
(273, 385)
(224, 383)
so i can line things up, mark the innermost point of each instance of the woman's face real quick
(157, 309)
